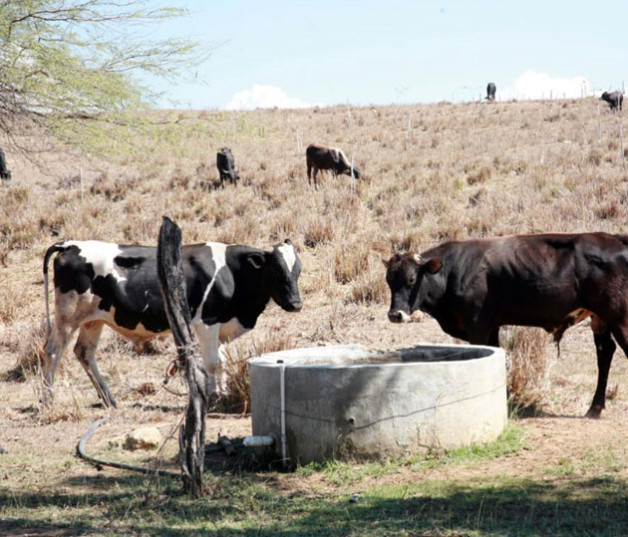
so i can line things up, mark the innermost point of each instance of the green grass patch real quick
(342, 473)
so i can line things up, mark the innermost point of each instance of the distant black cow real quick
(4, 173)
(552, 281)
(99, 283)
(327, 158)
(613, 98)
(490, 91)
(226, 166)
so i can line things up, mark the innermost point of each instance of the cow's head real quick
(280, 268)
(404, 274)
(356, 172)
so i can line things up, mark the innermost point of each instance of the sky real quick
(297, 53)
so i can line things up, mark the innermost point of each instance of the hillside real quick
(430, 173)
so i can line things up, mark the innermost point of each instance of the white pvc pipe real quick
(258, 441)
(282, 394)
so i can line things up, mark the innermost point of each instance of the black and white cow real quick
(100, 283)
(226, 166)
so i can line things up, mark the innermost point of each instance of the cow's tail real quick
(57, 247)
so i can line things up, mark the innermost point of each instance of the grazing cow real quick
(4, 173)
(490, 91)
(327, 158)
(99, 283)
(552, 281)
(613, 98)
(226, 166)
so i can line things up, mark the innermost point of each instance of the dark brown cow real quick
(490, 91)
(5, 173)
(613, 98)
(327, 158)
(553, 281)
(226, 166)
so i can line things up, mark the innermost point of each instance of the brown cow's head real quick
(404, 275)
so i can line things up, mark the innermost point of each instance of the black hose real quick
(80, 449)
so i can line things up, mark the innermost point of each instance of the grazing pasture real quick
(429, 173)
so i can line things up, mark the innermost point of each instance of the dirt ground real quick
(41, 447)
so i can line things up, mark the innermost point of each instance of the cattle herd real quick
(471, 287)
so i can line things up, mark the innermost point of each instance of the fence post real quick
(81, 180)
(172, 282)
(621, 138)
(352, 176)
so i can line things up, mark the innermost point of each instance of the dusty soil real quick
(41, 447)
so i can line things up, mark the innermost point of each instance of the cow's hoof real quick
(595, 412)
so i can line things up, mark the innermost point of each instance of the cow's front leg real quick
(208, 338)
(493, 338)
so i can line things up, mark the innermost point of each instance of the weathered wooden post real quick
(172, 281)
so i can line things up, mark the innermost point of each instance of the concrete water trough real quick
(346, 402)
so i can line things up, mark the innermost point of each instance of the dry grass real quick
(463, 170)
(528, 368)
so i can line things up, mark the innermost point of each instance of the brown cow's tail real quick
(57, 247)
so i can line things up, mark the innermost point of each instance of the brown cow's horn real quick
(417, 259)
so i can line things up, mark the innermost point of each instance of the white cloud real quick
(531, 85)
(261, 96)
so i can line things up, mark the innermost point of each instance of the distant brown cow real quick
(553, 281)
(327, 158)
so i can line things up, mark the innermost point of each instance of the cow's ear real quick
(288, 241)
(433, 266)
(256, 260)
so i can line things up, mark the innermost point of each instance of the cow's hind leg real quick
(605, 348)
(85, 351)
(56, 343)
